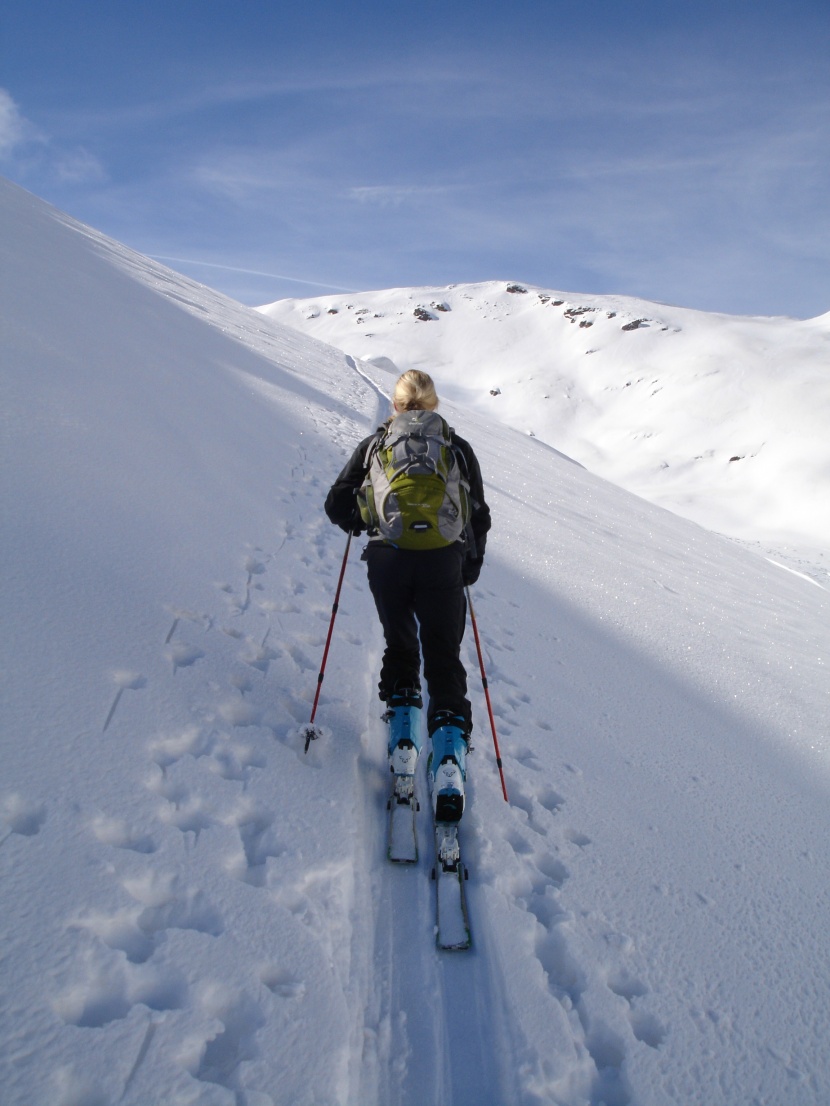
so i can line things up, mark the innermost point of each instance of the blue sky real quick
(676, 151)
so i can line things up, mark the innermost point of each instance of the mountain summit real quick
(721, 419)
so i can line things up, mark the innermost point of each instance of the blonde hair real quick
(415, 391)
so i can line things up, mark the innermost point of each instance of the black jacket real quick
(341, 504)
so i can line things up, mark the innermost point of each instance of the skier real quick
(417, 578)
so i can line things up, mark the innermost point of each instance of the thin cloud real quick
(15, 129)
(420, 76)
(392, 195)
(30, 150)
(250, 272)
(300, 166)
(80, 167)
(633, 160)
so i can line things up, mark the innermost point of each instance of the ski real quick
(452, 919)
(403, 717)
(402, 837)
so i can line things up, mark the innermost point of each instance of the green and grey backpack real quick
(415, 495)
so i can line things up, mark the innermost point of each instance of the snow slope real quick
(720, 419)
(194, 912)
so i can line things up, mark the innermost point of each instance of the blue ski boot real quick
(447, 766)
(403, 716)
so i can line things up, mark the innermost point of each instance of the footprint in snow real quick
(282, 983)
(234, 761)
(125, 681)
(528, 759)
(645, 1025)
(254, 567)
(648, 1028)
(106, 991)
(182, 655)
(539, 803)
(239, 713)
(189, 814)
(521, 800)
(185, 809)
(258, 655)
(119, 835)
(157, 904)
(241, 681)
(221, 1054)
(258, 844)
(519, 844)
(22, 817)
(303, 662)
(551, 800)
(191, 741)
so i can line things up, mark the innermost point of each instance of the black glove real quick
(470, 572)
(354, 525)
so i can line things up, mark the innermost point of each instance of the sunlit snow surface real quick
(195, 912)
(719, 418)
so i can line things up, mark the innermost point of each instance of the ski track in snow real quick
(429, 1026)
(199, 913)
(439, 1033)
(428, 1019)
(432, 1025)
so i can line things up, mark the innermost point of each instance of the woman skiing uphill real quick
(416, 487)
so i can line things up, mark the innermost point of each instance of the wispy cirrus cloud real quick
(393, 195)
(250, 272)
(423, 80)
(79, 167)
(679, 158)
(15, 129)
(27, 149)
(254, 182)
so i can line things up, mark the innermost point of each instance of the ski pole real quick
(309, 731)
(487, 695)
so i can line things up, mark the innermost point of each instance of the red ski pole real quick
(487, 694)
(309, 731)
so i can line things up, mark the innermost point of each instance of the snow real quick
(195, 912)
(720, 419)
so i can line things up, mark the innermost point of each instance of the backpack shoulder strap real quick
(459, 454)
(373, 447)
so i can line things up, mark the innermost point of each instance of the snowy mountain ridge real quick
(196, 913)
(719, 418)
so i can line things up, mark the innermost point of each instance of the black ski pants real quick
(419, 593)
